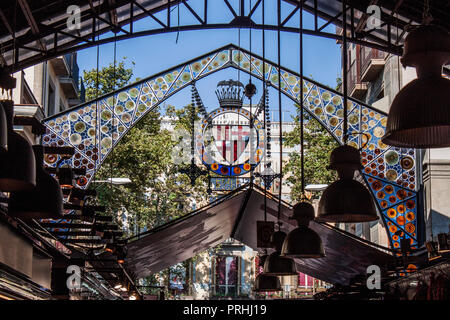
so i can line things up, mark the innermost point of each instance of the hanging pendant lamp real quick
(65, 177)
(346, 200)
(44, 201)
(419, 116)
(3, 131)
(264, 282)
(267, 283)
(303, 242)
(275, 264)
(18, 165)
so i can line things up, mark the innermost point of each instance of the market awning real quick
(183, 238)
(236, 216)
(345, 255)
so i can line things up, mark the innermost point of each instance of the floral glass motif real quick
(95, 127)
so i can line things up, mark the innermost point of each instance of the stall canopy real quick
(235, 217)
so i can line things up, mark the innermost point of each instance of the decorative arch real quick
(95, 127)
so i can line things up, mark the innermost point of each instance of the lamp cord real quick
(279, 111)
(302, 155)
(264, 94)
(344, 76)
(114, 114)
(251, 96)
(97, 125)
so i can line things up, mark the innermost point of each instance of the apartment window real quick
(359, 229)
(61, 106)
(349, 58)
(381, 94)
(226, 275)
(51, 99)
(28, 97)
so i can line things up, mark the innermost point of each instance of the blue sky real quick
(152, 54)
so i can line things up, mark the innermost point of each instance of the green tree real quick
(158, 192)
(109, 79)
(318, 146)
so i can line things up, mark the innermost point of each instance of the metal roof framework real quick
(38, 30)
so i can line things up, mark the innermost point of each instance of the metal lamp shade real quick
(266, 283)
(44, 201)
(3, 131)
(303, 212)
(420, 115)
(345, 157)
(277, 239)
(262, 260)
(303, 242)
(346, 200)
(65, 177)
(18, 165)
(277, 265)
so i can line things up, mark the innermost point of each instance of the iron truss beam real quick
(21, 49)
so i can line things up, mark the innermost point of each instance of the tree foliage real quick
(109, 79)
(318, 146)
(158, 192)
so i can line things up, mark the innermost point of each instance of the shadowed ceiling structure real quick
(33, 31)
(235, 216)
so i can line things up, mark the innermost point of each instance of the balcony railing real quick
(372, 62)
(355, 86)
(352, 77)
(70, 82)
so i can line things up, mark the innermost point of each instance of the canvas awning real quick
(235, 217)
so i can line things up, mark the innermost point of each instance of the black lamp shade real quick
(266, 283)
(44, 201)
(277, 239)
(120, 253)
(303, 212)
(250, 90)
(303, 242)
(18, 165)
(419, 116)
(3, 131)
(346, 200)
(65, 177)
(262, 260)
(277, 265)
(76, 196)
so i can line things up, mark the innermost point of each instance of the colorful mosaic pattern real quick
(96, 127)
(228, 184)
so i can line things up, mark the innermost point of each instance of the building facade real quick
(32, 265)
(229, 271)
(375, 78)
